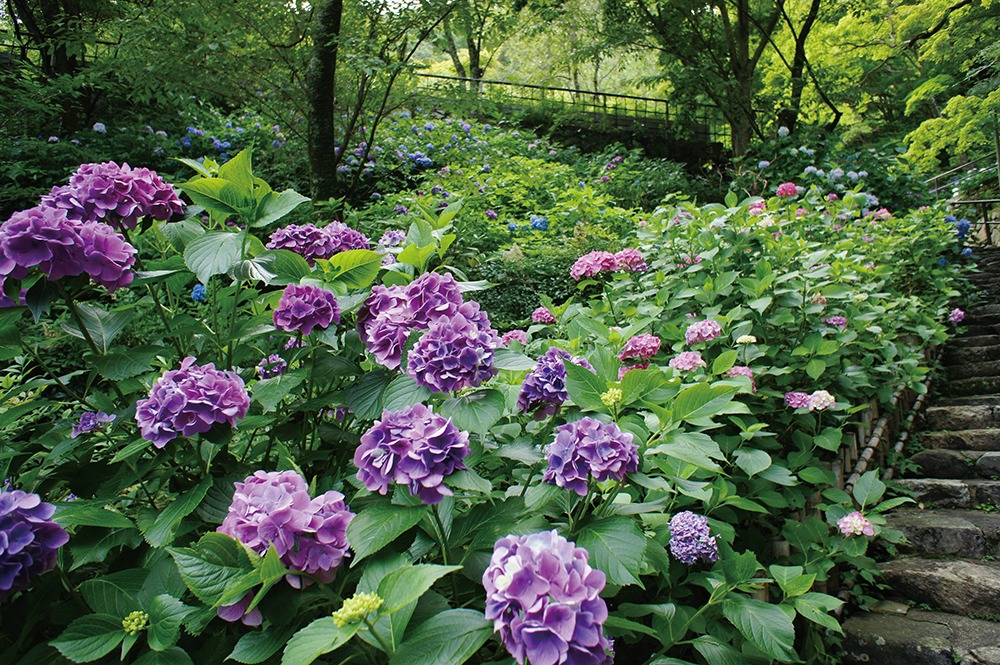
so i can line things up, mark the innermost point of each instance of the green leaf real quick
(377, 526)
(122, 365)
(405, 585)
(475, 412)
(815, 368)
(90, 637)
(760, 304)
(817, 607)
(402, 392)
(752, 461)
(616, 546)
(355, 268)
(416, 256)
(239, 171)
(448, 638)
(90, 513)
(792, 580)
(166, 614)
(364, 397)
(257, 647)
(724, 362)
(512, 360)
(103, 326)
(869, 489)
(172, 656)
(584, 387)
(320, 637)
(829, 439)
(217, 569)
(114, 594)
(764, 625)
(214, 253)
(269, 393)
(162, 531)
(276, 205)
(716, 652)
(701, 401)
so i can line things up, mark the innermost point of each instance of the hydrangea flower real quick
(274, 508)
(625, 369)
(106, 257)
(190, 400)
(304, 307)
(855, 524)
(313, 242)
(588, 447)
(456, 352)
(956, 316)
(821, 400)
(238, 612)
(414, 447)
(118, 195)
(742, 370)
(544, 599)
(511, 335)
(631, 260)
(640, 346)
(702, 331)
(198, 293)
(836, 321)
(546, 384)
(100, 128)
(787, 189)
(592, 264)
(271, 366)
(746, 339)
(91, 420)
(29, 540)
(392, 238)
(797, 400)
(687, 361)
(542, 315)
(691, 540)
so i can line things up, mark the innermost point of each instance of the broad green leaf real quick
(377, 526)
(90, 513)
(122, 365)
(239, 171)
(214, 253)
(815, 368)
(162, 531)
(364, 397)
(166, 614)
(217, 569)
(269, 393)
(103, 326)
(257, 647)
(829, 439)
(114, 594)
(405, 585)
(716, 652)
(817, 607)
(752, 461)
(869, 489)
(616, 546)
(276, 205)
(217, 195)
(448, 638)
(402, 392)
(172, 656)
(724, 362)
(764, 625)
(701, 401)
(584, 387)
(181, 233)
(355, 268)
(320, 637)
(476, 412)
(416, 256)
(90, 637)
(287, 267)
(512, 360)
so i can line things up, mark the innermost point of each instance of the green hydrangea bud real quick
(612, 397)
(356, 607)
(135, 622)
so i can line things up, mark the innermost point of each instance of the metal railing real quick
(951, 180)
(605, 109)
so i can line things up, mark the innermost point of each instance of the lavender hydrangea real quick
(190, 400)
(542, 315)
(640, 346)
(117, 195)
(691, 540)
(544, 599)
(592, 264)
(956, 316)
(313, 242)
(742, 370)
(855, 524)
(271, 366)
(456, 352)
(274, 508)
(29, 540)
(687, 361)
(512, 335)
(797, 400)
(303, 307)
(414, 447)
(392, 238)
(546, 384)
(106, 256)
(836, 321)
(702, 331)
(588, 447)
(631, 260)
(91, 420)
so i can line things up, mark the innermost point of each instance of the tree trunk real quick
(790, 115)
(452, 50)
(475, 57)
(320, 92)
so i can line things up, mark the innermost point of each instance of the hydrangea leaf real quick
(449, 638)
(217, 569)
(377, 526)
(162, 530)
(320, 637)
(764, 625)
(616, 547)
(90, 637)
(213, 254)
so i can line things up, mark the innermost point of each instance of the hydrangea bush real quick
(327, 456)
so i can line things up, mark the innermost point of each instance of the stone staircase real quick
(943, 601)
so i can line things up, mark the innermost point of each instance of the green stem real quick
(378, 638)
(75, 313)
(52, 375)
(156, 299)
(443, 541)
(142, 484)
(230, 350)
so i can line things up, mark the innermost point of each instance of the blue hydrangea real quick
(539, 223)
(512, 227)
(967, 251)
(962, 227)
(198, 293)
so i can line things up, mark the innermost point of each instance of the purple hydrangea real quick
(631, 260)
(797, 400)
(836, 321)
(702, 331)
(309, 535)
(546, 384)
(640, 346)
(511, 335)
(542, 315)
(238, 611)
(593, 263)
(106, 256)
(303, 307)
(392, 238)
(29, 540)
(313, 242)
(687, 361)
(271, 366)
(544, 600)
(190, 400)
(414, 447)
(588, 447)
(117, 195)
(691, 540)
(91, 420)
(956, 316)
(456, 352)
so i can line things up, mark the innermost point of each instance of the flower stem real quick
(378, 638)
(75, 313)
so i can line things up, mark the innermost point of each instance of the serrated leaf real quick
(257, 647)
(815, 368)
(448, 638)
(90, 513)
(90, 637)
(724, 362)
(377, 526)
(214, 253)
(764, 625)
(162, 531)
(512, 360)
(616, 546)
(752, 461)
(172, 656)
(114, 594)
(402, 392)
(320, 637)
(276, 205)
(816, 607)
(405, 585)
(217, 569)
(166, 614)
(701, 401)
(355, 268)
(102, 325)
(869, 489)
(364, 397)
(269, 393)
(475, 412)
(122, 365)
(584, 387)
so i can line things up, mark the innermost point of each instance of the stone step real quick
(973, 400)
(974, 386)
(959, 355)
(965, 533)
(958, 586)
(944, 463)
(953, 418)
(971, 341)
(973, 368)
(917, 637)
(974, 329)
(970, 439)
(952, 493)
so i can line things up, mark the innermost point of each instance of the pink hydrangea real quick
(542, 315)
(631, 260)
(797, 400)
(757, 208)
(787, 189)
(593, 263)
(855, 524)
(512, 335)
(821, 400)
(836, 321)
(742, 370)
(702, 331)
(640, 346)
(625, 369)
(956, 316)
(687, 361)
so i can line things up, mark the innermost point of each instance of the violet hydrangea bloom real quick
(91, 420)
(414, 447)
(702, 331)
(238, 612)
(29, 540)
(836, 321)
(588, 447)
(797, 400)
(855, 524)
(392, 238)
(274, 508)
(631, 260)
(956, 316)
(313, 242)
(106, 257)
(542, 315)
(190, 400)
(593, 263)
(271, 366)
(117, 195)
(640, 346)
(546, 384)
(691, 540)
(41, 237)
(303, 307)
(687, 361)
(456, 352)
(544, 599)
(511, 335)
